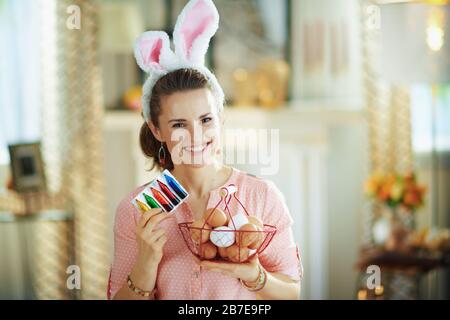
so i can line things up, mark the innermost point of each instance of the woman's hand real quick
(150, 239)
(247, 271)
(277, 286)
(151, 242)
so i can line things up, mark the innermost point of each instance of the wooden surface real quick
(414, 261)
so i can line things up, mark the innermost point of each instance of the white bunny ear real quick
(196, 25)
(151, 50)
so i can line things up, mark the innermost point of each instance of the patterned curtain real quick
(388, 112)
(72, 141)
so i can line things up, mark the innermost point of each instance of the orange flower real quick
(397, 190)
(372, 184)
(370, 187)
(411, 199)
(390, 179)
(385, 191)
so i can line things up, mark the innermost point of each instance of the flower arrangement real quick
(402, 196)
(396, 190)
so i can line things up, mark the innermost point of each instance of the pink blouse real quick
(179, 277)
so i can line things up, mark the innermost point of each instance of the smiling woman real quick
(182, 101)
(193, 87)
(182, 108)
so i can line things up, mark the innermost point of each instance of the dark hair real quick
(175, 81)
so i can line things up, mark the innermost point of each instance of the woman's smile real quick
(197, 150)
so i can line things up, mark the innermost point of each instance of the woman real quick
(151, 260)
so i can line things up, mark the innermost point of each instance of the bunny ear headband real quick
(196, 25)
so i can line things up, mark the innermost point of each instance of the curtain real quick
(80, 142)
(388, 114)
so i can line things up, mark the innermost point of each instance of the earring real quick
(162, 158)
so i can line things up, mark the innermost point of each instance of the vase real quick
(399, 232)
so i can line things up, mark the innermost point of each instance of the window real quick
(421, 118)
(19, 73)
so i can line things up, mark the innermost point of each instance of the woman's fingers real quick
(218, 265)
(221, 271)
(156, 234)
(146, 216)
(196, 260)
(154, 221)
(254, 260)
(161, 241)
(157, 219)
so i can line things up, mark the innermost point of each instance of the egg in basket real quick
(224, 235)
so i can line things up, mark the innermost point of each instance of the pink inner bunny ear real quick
(151, 51)
(196, 23)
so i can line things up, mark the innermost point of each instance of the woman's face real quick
(190, 126)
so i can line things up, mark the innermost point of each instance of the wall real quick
(346, 171)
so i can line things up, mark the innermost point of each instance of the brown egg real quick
(256, 221)
(215, 217)
(208, 251)
(223, 253)
(247, 235)
(196, 233)
(258, 241)
(228, 218)
(236, 254)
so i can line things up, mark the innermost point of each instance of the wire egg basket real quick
(236, 252)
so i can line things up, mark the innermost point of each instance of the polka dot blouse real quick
(179, 277)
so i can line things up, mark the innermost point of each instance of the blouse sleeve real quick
(282, 254)
(125, 246)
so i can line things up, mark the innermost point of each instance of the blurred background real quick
(358, 89)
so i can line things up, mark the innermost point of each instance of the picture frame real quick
(325, 54)
(27, 167)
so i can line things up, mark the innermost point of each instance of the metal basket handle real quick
(228, 191)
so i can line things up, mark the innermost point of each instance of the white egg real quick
(222, 237)
(239, 220)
